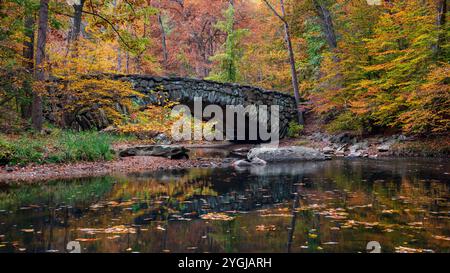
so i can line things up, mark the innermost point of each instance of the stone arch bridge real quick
(157, 90)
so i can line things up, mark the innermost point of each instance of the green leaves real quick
(226, 69)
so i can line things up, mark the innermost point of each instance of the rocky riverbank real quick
(32, 173)
(315, 146)
(347, 145)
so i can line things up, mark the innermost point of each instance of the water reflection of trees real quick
(160, 205)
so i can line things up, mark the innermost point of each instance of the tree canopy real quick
(364, 65)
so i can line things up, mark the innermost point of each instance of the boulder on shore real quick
(283, 154)
(169, 151)
(247, 163)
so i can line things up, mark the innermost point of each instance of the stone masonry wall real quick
(183, 90)
(158, 90)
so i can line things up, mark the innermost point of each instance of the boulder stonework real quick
(158, 90)
(172, 152)
(285, 154)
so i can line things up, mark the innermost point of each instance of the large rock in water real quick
(283, 154)
(169, 151)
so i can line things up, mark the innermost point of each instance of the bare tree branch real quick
(131, 6)
(111, 25)
(101, 17)
(274, 11)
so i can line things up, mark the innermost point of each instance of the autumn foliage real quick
(365, 68)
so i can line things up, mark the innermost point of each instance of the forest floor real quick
(340, 145)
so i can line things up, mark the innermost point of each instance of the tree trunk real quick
(77, 20)
(28, 55)
(119, 59)
(127, 62)
(74, 33)
(327, 23)
(292, 64)
(440, 22)
(37, 115)
(119, 51)
(163, 40)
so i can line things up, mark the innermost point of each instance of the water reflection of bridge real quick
(227, 190)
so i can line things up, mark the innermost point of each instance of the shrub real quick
(346, 121)
(294, 129)
(6, 152)
(109, 99)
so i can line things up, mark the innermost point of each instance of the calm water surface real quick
(332, 206)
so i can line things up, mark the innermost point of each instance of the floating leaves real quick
(266, 228)
(402, 249)
(86, 240)
(160, 228)
(335, 214)
(112, 230)
(27, 230)
(279, 212)
(112, 204)
(438, 237)
(276, 215)
(390, 211)
(216, 217)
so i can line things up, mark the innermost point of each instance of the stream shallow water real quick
(342, 205)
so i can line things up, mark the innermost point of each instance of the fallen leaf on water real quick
(360, 207)
(28, 230)
(120, 230)
(160, 228)
(335, 214)
(266, 228)
(312, 235)
(216, 216)
(86, 239)
(390, 211)
(311, 207)
(402, 249)
(112, 230)
(96, 206)
(123, 204)
(438, 237)
(415, 224)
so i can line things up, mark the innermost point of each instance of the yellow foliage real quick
(152, 119)
(78, 94)
(429, 105)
